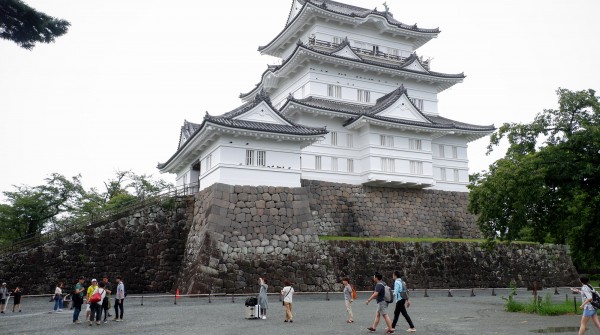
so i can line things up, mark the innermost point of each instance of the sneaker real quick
(371, 329)
(115, 319)
(389, 331)
(264, 317)
(291, 320)
(285, 320)
(97, 323)
(90, 323)
(105, 321)
(411, 330)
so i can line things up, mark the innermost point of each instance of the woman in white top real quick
(589, 312)
(58, 297)
(288, 294)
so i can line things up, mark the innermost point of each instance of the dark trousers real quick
(96, 312)
(400, 308)
(119, 306)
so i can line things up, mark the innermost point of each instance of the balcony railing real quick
(367, 54)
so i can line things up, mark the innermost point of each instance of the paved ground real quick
(313, 314)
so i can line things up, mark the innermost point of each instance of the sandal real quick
(350, 321)
(372, 330)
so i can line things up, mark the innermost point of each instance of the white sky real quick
(113, 92)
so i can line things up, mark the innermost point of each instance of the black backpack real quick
(595, 298)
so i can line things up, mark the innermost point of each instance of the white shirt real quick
(288, 293)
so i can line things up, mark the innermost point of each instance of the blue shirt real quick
(397, 289)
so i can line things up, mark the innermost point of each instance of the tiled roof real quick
(266, 127)
(361, 60)
(354, 11)
(356, 112)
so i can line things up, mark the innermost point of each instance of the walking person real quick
(90, 291)
(4, 294)
(262, 297)
(589, 312)
(348, 299)
(78, 294)
(17, 299)
(58, 297)
(288, 293)
(379, 296)
(119, 298)
(96, 306)
(402, 302)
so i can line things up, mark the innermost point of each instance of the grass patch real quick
(408, 239)
(540, 306)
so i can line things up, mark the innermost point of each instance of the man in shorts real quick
(90, 291)
(379, 296)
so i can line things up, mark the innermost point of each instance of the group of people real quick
(4, 296)
(400, 295)
(97, 299)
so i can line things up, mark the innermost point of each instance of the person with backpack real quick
(589, 311)
(401, 296)
(383, 295)
(349, 296)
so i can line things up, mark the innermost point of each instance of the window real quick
(334, 140)
(386, 140)
(416, 167)
(337, 40)
(393, 52)
(350, 165)
(334, 164)
(208, 162)
(334, 91)
(442, 173)
(249, 157)
(375, 49)
(349, 140)
(317, 162)
(363, 96)
(441, 151)
(456, 175)
(414, 144)
(388, 165)
(261, 158)
(454, 152)
(418, 103)
(258, 157)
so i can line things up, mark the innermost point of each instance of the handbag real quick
(96, 297)
(56, 296)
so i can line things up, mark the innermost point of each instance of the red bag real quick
(96, 297)
(353, 293)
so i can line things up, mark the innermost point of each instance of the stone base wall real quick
(145, 248)
(225, 237)
(356, 210)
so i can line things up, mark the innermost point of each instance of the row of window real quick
(335, 91)
(446, 173)
(368, 46)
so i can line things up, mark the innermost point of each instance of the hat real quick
(3, 284)
(94, 280)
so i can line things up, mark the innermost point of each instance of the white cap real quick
(94, 280)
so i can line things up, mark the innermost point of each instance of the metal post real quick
(575, 304)
(209, 293)
(327, 296)
(472, 292)
(556, 290)
(142, 301)
(493, 292)
(566, 297)
(233, 296)
(426, 295)
(175, 300)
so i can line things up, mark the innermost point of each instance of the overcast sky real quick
(113, 92)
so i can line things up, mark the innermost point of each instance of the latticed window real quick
(249, 157)
(317, 162)
(363, 96)
(388, 165)
(454, 152)
(350, 165)
(414, 144)
(418, 103)
(456, 175)
(386, 140)
(334, 138)
(442, 173)
(334, 91)
(416, 167)
(261, 157)
(208, 162)
(349, 140)
(441, 152)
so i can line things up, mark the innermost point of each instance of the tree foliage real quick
(26, 26)
(62, 201)
(547, 187)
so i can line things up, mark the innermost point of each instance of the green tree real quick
(26, 26)
(547, 187)
(31, 209)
